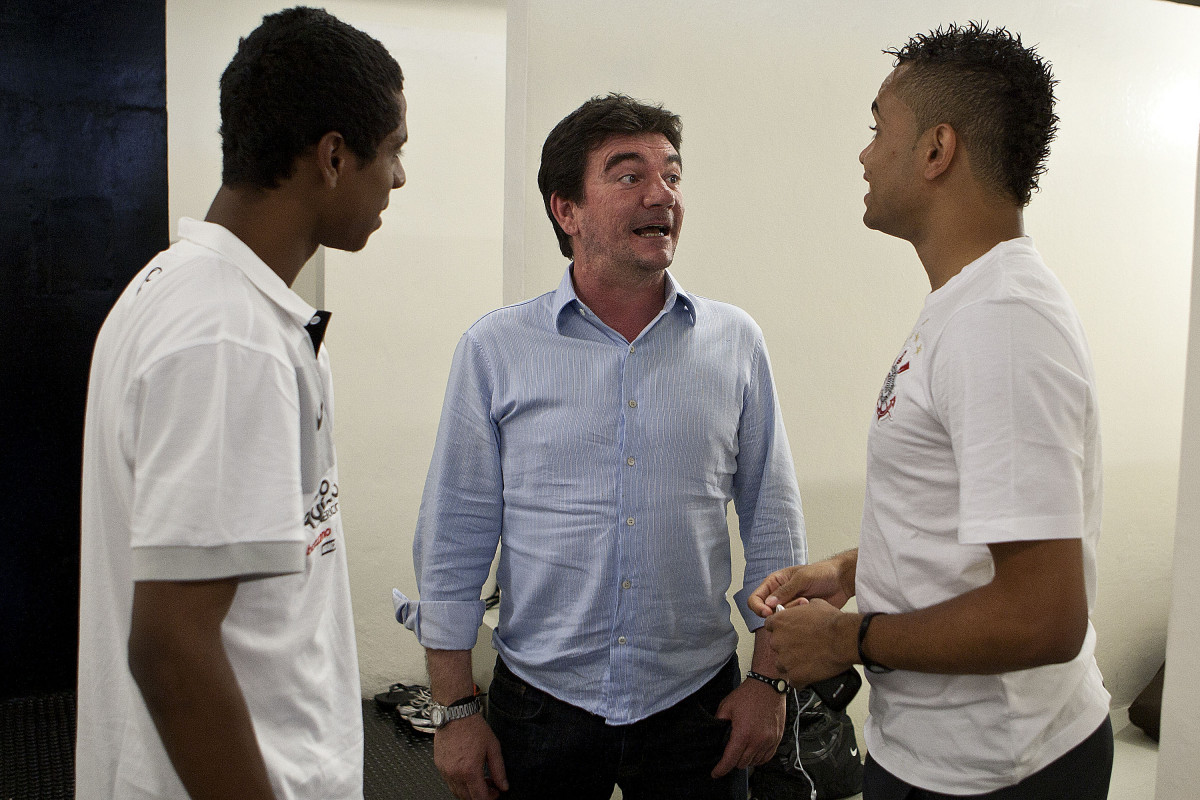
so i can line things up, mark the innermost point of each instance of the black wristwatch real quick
(874, 667)
(778, 684)
(440, 715)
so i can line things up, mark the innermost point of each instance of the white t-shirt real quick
(208, 453)
(986, 430)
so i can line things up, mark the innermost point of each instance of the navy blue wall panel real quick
(83, 205)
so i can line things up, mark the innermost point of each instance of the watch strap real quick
(441, 715)
(778, 684)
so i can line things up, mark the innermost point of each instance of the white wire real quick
(797, 763)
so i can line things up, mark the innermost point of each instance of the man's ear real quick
(564, 213)
(331, 154)
(941, 144)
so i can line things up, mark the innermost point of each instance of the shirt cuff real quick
(742, 601)
(440, 624)
(249, 559)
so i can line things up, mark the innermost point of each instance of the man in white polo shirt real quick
(976, 566)
(217, 655)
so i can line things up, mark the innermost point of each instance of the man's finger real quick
(495, 765)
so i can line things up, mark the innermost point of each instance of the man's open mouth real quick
(652, 231)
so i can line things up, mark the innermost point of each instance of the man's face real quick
(891, 166)
(632, 207)
(364, 188)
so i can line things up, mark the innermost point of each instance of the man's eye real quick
(627, 178)
(674, 178)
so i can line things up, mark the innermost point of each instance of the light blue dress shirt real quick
(604, 469)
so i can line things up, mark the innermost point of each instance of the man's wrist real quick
(870, 664)
(777, 685)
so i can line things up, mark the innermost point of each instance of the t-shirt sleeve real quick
(216, 458)
(1014, 397)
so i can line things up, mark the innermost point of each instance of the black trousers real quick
(556, 751)
(1080, 774)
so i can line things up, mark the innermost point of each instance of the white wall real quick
(775, 99)
(400, 304)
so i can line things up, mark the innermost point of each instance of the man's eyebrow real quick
(618, 158)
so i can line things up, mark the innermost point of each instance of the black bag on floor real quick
(828, 762)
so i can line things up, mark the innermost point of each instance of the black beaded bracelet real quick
(869, 665)
(778, 684)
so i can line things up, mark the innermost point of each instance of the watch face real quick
(437, 715)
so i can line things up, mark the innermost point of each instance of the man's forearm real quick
(762, 660)
(1033, 613)
(450, 675)
(178, 661)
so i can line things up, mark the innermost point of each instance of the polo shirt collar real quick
(566, 299)
(220, 240)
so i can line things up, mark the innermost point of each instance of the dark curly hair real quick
(566, 150)
(301, 74)
(996, 93)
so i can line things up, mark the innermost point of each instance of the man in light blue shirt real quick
(598, 433)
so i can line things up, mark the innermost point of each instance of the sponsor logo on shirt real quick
(151, 275)
(324, 507)
(325, 541)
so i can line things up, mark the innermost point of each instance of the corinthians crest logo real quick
(887, 395)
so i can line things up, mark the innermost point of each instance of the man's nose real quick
(660, 193)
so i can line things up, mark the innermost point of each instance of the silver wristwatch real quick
(440, 715)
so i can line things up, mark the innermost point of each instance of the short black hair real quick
(301, 74)
(566, 150)
(995, 92)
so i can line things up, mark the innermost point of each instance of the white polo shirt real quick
(986, 430)
(208, 453)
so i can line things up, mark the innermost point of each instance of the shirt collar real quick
(220, 240)
(565, 298)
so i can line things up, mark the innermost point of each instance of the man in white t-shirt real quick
(976, 568)
(216, 654)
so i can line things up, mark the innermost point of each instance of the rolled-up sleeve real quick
(458, 527)
(770, 517)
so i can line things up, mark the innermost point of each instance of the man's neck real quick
(961, 237)
(626, 305)
(268, 224)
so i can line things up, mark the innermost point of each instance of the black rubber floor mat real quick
(37, 753)
(398, 761)
(37, 747)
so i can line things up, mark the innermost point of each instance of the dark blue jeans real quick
(553, 750)
(1082, 773)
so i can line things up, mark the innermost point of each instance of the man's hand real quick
(812, 641)
(831, 580)
(757, 712)
(461, 751)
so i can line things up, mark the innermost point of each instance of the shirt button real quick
(621, 640)
(626, 584)
(633, 403)
(630, 521)
(631, 348)
(583, 312)
(631, 461)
